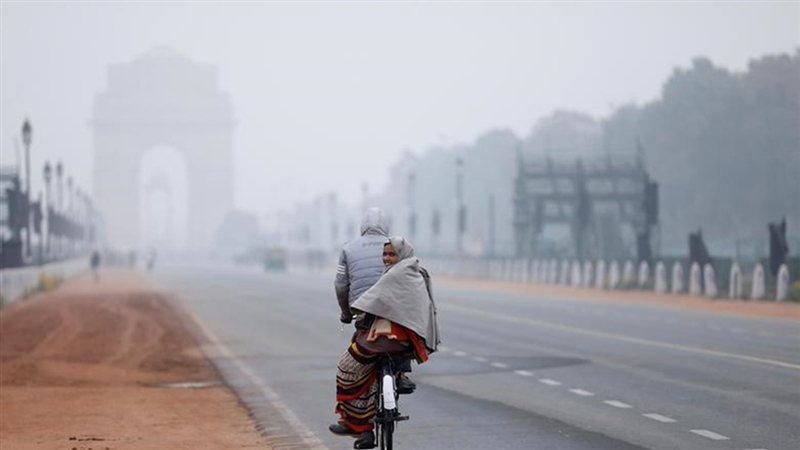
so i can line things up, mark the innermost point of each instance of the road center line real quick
(582, 393)
(526, 321)
(617, 404)
(659, 417)
(711, 435)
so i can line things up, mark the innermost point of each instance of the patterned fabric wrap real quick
(356, 385)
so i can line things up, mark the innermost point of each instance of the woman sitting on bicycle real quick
(397, 315)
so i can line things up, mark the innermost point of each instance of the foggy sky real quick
(327, 96)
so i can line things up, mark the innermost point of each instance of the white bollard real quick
(644, 274)
(735, 282)
(613, 275)
(758, 290)
(575, 274)
(677, 278)
(661, 278)
(533, 271)
(695, 285)
(782, 290)
(600, 275)
(564, 275)
(544, 271)
(588, 271)
(710, 281)
(552, 272)
(627, 274)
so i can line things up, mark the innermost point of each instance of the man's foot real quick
(365, 440)
(341, 429)
(404, 384)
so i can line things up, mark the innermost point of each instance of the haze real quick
(328, 96)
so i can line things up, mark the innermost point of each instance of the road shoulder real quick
(112, 365)
(745, 308)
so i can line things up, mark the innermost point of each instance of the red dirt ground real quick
(86, 367)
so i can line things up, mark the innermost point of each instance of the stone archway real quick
(163, 98)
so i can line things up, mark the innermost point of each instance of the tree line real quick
(724, 146)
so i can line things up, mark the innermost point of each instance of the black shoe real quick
(404, 384)
(365, 440)
(341, 429)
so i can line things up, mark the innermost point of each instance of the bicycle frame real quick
(386, 409)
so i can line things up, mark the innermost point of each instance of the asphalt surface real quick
(516, 371)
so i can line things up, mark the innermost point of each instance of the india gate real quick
(162, 99)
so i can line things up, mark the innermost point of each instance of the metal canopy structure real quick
(616, 189)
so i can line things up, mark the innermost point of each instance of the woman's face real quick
(390, 256)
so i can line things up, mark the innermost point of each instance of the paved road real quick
(516, 371)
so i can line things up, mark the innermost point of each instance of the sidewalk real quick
(748, 308)
(111, 365)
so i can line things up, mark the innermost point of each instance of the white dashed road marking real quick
(617, 404)
(711, 435)
(659, 417)
(581, 392)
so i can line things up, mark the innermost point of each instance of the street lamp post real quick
(59, 175)
(412, 218)
(48, 174)
(68, 214)
(69, 197)
(38, 221)
(78, 217)
(460, 213)
(60, 178)
(27, 132)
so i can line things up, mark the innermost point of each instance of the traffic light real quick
(436, 223)
(462, 219)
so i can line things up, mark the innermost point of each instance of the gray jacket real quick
(361, 260)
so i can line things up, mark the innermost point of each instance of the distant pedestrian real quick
(94, 263)
(151, 260)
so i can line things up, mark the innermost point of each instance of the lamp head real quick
(27, 131)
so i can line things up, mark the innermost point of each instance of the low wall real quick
(15, 282)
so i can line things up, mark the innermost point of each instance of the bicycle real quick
(387, 413)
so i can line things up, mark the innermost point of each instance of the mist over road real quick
(515, 372)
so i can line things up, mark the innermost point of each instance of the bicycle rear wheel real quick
(386, 441)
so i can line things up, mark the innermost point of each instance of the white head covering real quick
(402, 247)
